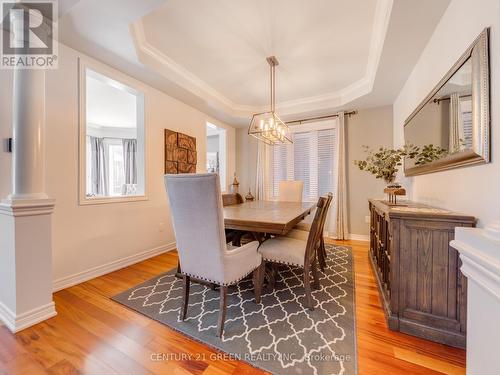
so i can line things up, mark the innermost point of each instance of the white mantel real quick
(480, 254)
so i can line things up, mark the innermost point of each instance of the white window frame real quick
(136, 88)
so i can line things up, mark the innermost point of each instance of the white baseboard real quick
(359, 237)
(7, 317)
(18, 323)
(68, 281)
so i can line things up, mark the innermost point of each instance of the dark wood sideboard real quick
(422, 289)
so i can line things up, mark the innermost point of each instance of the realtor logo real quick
(28, 35)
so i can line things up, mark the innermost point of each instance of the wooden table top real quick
(266, 216)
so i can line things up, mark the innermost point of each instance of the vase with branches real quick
(385, 162)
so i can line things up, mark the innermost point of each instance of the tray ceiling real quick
(333, 54)
(224, 44)
(327, 51)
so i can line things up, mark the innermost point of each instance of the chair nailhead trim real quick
(283, 262)
(217, 282)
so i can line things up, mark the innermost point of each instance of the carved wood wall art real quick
(180, 153)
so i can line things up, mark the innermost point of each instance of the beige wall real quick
(470, 190)
(371, 127)
(91, 236)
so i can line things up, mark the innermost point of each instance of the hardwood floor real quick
(93, 335)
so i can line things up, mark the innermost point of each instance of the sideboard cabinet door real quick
(432, 291)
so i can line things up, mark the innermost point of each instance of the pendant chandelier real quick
(267, 126)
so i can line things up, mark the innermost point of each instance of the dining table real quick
(261, 219)
(265, 218)
(269, 217)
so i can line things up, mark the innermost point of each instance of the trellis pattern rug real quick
(281, 335)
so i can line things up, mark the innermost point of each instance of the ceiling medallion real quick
(267, 126)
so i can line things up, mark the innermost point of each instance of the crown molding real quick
(164, 65)
(152, 57)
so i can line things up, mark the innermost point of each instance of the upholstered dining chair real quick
(291, 191)
(197, 216)
(291, 251)
(301, 232)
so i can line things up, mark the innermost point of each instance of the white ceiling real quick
(225, 45)
(108, 106)
(334, 54)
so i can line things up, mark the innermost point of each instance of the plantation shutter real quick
(327, 141)
(311, 159)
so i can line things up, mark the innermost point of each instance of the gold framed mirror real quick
(452, 124)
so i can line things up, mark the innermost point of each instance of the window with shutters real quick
(311, 158)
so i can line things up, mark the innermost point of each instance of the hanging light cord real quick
(272, 84)
(272, 61)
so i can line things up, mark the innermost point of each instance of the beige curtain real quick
(98, 168)
(263, 168)
(340, 200)
(455, 123)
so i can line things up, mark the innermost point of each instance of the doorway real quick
(216, 153)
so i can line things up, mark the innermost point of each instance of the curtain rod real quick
(437, 100)
(319, 118)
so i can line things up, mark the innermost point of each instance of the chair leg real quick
(222, 310)
(272, 274)
(258, 280)
(186, 281)
(322, 254)
(307, 287)
(178, 273)
(314, 270)
(321, 259)
(323, 248)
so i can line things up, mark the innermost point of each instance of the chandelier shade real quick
(267, 126)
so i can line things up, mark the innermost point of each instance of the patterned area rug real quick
(280, 335)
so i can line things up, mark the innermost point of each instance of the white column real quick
(25, 216)
(28, 115)
(480, 255)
